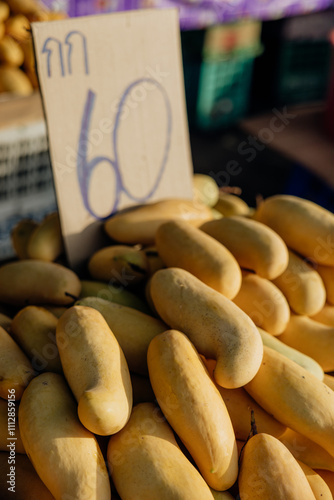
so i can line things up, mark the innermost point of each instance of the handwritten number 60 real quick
(86, 167)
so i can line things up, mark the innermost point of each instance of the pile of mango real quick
(17, 59)
(193, 361)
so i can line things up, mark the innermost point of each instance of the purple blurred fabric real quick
(197, 14)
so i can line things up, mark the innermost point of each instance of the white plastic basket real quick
(26, 184)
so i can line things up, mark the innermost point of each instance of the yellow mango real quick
(35, 282)
(306, 450)
(46, 242)
(311, 338)
(263, 302)
(20, 235)
(217, 327)
(325, 316)
(318, 485)
(302, 286)
(10, 52)
(239, 405)
(181, 245)
(327, 275)
(96, 370)
(34, 329)
(64, 453)
(15, 368)
(193, 407)
(229, 204)
(118, 264)
(18, 27)
(146, 463)
(328, 477)
(255, 246)
(28, 486)
(269, 471)
(305, 226)
(9, 428)
(23, 6)
(298, 357)
(295, 397)
(116, 294)
(29, 62)
(206, 190)
(14, 80)
(133, 329)
(139, 224)
(4, 11)
(221, 495)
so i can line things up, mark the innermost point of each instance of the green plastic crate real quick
(303, 71)
(223, 92)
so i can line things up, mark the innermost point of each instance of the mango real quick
(302, 286)
(193, 407)
(255, 246)
(181, 245)
(306, 227)
(96, 370)
(146, 463)
(269, 470)
(217, 327)
(139, 224)
(64, 453)
(36, 282)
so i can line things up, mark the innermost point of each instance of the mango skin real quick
(139, 224)
(263, 302)
(318, 485)
(230, 204)
(307, 451)
(133, 330)
(297, 356)
(20, 235)
(35, 282)
(269, 470)
(239, 405)
(305, 226)
(302, 286)
(295, 397)
(217, 327)
(65, 455)
(193, 407)
(46, 242)
(34, 329)
(181, 245)
(96, 370)
(15, 368)
(311, 338)
(327, 275)
(205, 189)
(255, 246)
(146, 463)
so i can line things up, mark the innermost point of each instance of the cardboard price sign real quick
(113, 96)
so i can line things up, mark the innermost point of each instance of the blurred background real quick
(259, 87)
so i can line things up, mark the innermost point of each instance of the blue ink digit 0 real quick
(86, 167)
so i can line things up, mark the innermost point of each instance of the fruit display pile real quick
(193, 361)
(17, 60)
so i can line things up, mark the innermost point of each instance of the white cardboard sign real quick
(113, 95)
